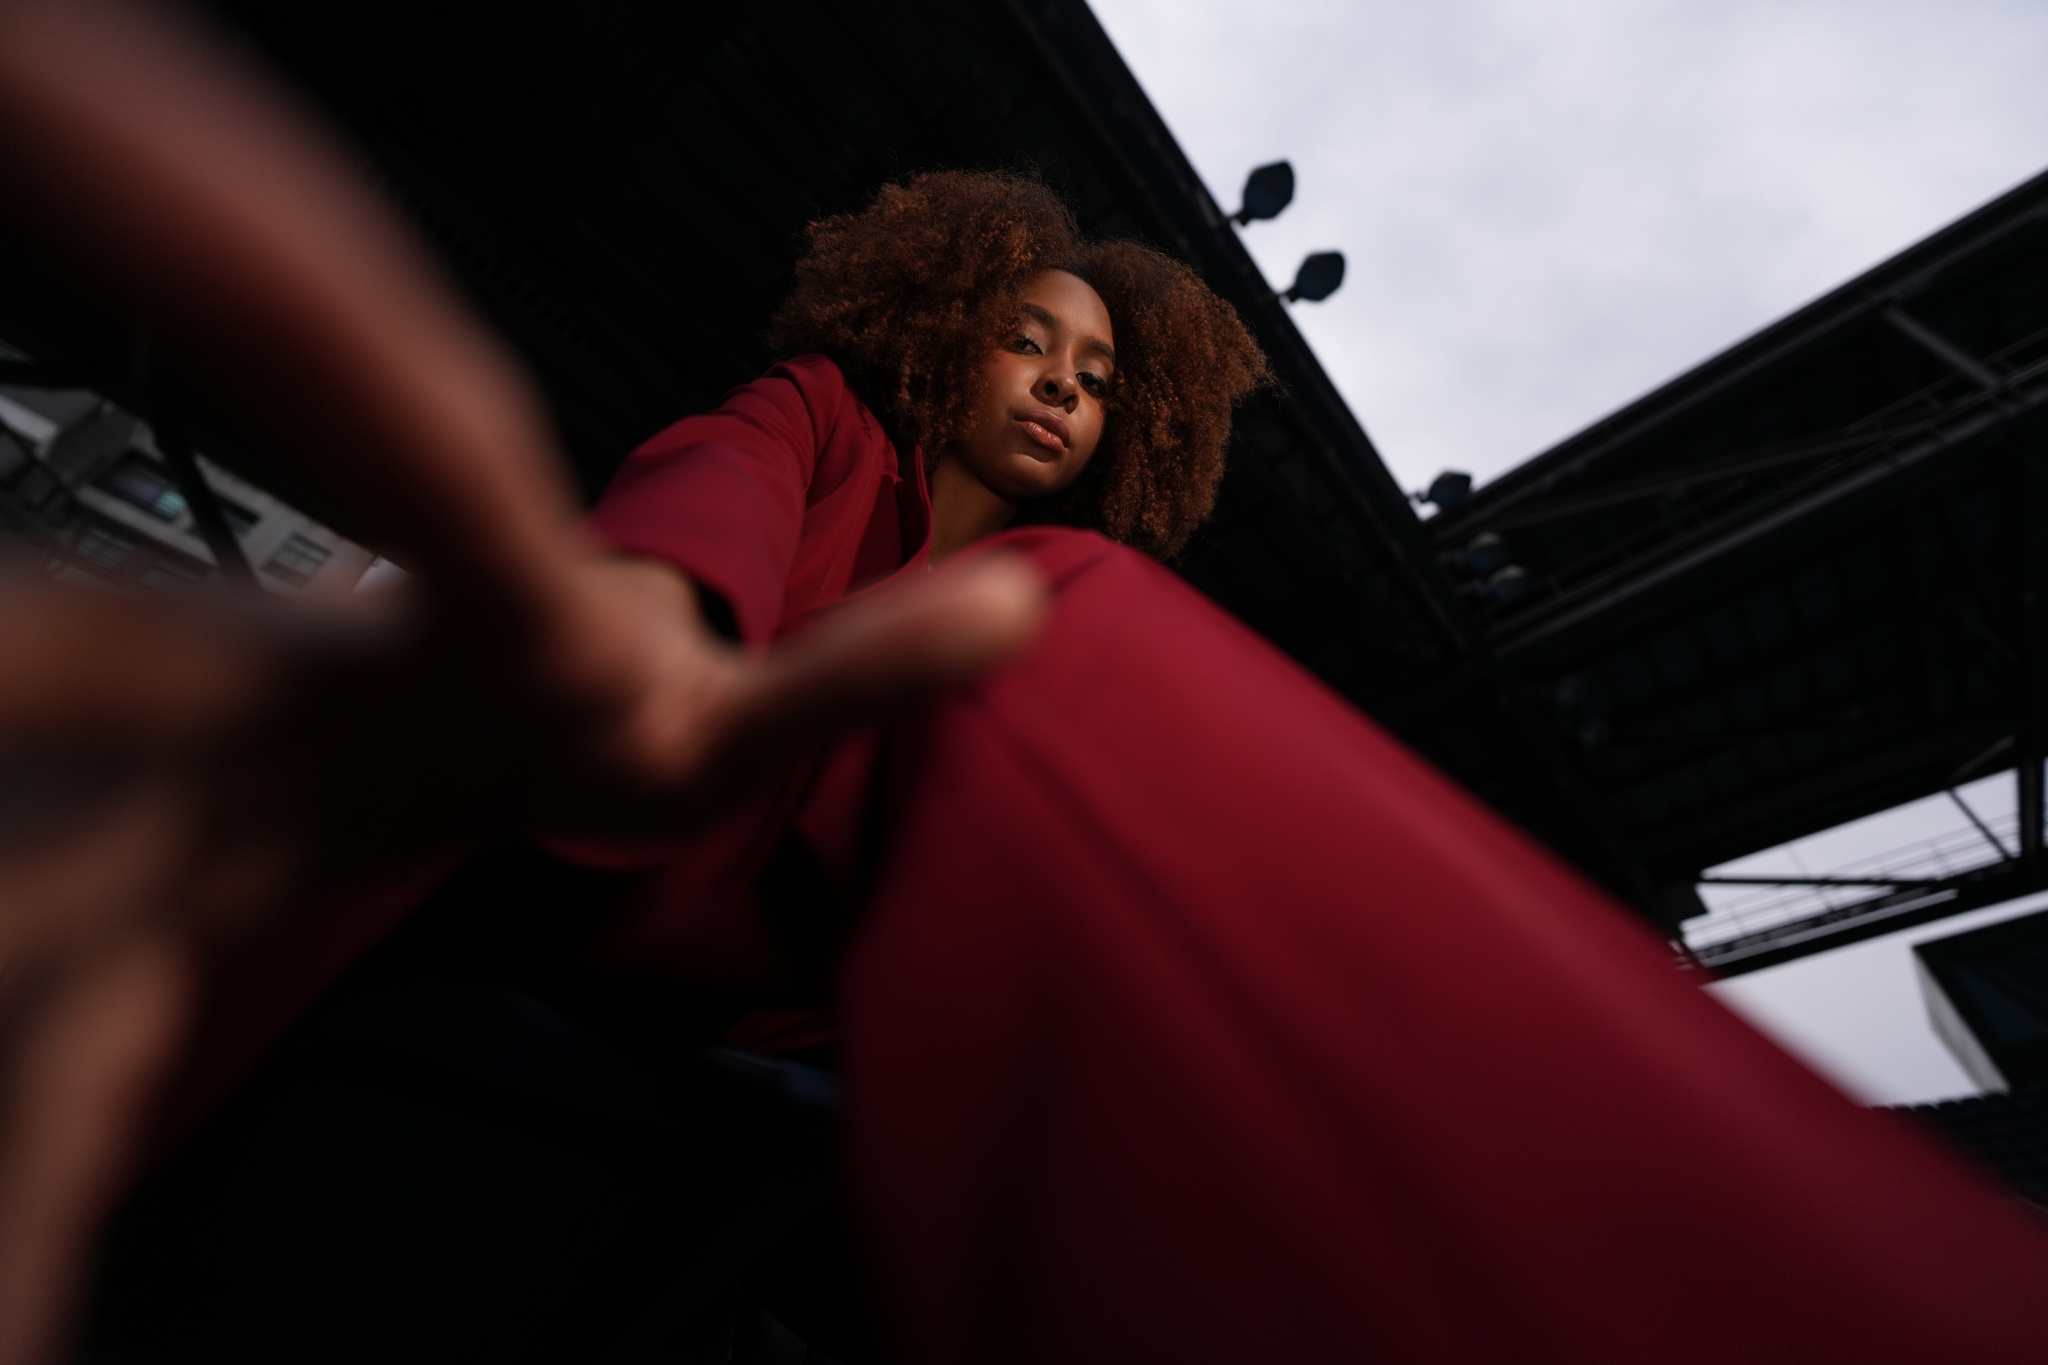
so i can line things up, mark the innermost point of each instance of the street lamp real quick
(1267, 190)
(1318, 277)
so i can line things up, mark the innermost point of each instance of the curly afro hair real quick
(910, 295)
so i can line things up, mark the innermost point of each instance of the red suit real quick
(1192, 1018)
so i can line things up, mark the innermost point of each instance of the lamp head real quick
(1267, 190)
(1318, 277)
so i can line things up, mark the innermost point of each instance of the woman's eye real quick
(1025, 344)
(1094, 383)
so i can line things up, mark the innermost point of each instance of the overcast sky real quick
(1549, 208)
(1856, 1014)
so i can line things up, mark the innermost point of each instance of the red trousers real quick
(1197, 1020)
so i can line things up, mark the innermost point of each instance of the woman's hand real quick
(173, 769)
(190, 764)
(669, 723)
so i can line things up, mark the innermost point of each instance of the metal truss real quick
(1862, 459)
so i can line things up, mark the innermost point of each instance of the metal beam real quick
(1884, 914)
(1950, 354)
(2029, 777)
(2032, 722)
(211, 517)
(1824, 881)
(1976, 765)
(1982, 828)
(1804, 938)
(2018, 210)
(1692, 478)
(2024, 392)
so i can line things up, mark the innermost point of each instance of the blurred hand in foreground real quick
(172, 767)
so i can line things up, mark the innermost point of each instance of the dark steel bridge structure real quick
(1802, 583)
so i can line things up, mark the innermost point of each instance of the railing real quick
(1752, 911)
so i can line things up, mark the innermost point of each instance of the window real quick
(143, 483)
(297, 560)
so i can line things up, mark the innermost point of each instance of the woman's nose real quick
(1054, 388)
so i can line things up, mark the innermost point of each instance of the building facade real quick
(87, 495)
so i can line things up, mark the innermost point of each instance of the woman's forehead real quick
(1061, 299)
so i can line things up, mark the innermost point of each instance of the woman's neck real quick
(964, 509)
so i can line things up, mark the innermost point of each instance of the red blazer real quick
(783, 501)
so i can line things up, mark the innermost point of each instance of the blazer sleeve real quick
(722, 496)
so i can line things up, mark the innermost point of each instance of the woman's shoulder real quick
(822, 387)
(813, 370)
(814, 380)
(803, 406)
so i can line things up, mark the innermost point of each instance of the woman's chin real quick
(1036, 492)
(1028, 480)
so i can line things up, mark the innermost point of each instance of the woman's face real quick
(1041, 416)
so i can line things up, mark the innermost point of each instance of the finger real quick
(95, 667)
(85, 1063)
(879, 656)
(93, 876)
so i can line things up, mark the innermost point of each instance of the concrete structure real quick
(1987, 995)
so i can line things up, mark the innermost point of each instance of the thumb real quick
(877, 656)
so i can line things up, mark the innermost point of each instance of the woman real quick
(1187, 1015)
(1019, 375)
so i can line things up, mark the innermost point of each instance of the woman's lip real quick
(1046, 429)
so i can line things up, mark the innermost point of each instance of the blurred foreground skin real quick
(93, 980)
(167, 750)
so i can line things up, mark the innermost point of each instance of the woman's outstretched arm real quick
(527, 678)
(292, 307)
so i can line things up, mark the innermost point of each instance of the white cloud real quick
(1548, 209)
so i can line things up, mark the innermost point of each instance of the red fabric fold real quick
(1198, 1020)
